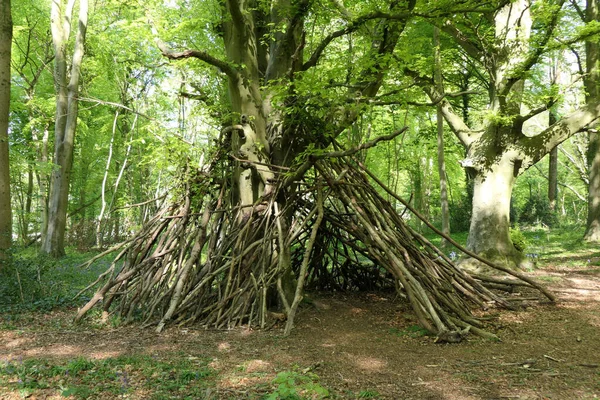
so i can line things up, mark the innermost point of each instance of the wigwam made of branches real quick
(201, 260)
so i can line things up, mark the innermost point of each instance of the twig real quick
(552, 358)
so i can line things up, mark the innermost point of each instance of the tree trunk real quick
(42, 180)
(440, 139)
(66, 120)
(99, 225)
(592, 232)
(489, 233)
(5, 204)
(552, 169)
(591, 82)
(27, 211)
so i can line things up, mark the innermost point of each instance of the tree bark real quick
(552, 168)
(5, 203)
(66, 120)
(440, 139)
(99, 225)
(489, 233)
(591, 82)
(42, 179)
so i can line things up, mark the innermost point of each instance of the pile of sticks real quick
(199, 261)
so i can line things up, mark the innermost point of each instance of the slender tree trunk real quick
(552, 169)
(440, 139)
(66, 120)
(27, 210)
(418, 201)
(42, 180)
(99, 225)
(5, 54)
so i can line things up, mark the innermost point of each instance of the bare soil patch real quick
(361, 346)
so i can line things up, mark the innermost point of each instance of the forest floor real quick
(347, 346)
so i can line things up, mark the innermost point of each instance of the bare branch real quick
(313, 158)
(580, 12)
(434, 102)
(572, 189)
(456, 123)
(223, 66)
(582, 170)
(124, 107)
(364, 146)
(522, 118)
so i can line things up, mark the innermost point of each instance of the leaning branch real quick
(582, 169)
(536, 147)
(351, 27)
(434, 102)
(471, 47)
(364, 146)
(223, 66)
(522, 118)
(166, 51)
(456, 123)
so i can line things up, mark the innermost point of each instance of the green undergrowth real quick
(82, 378)
(146, 377)
(562, 246)
(295, 385)
(33, 282)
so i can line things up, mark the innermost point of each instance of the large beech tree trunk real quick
(592, 232)
(5, 204)
(591, 82)
(490, 222)
(66, 119)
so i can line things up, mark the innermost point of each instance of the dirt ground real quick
(365, 345)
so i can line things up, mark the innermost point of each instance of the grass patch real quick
(85, 378)
(545, 247)
(368, 394)
(413, 331)
(34, 282)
